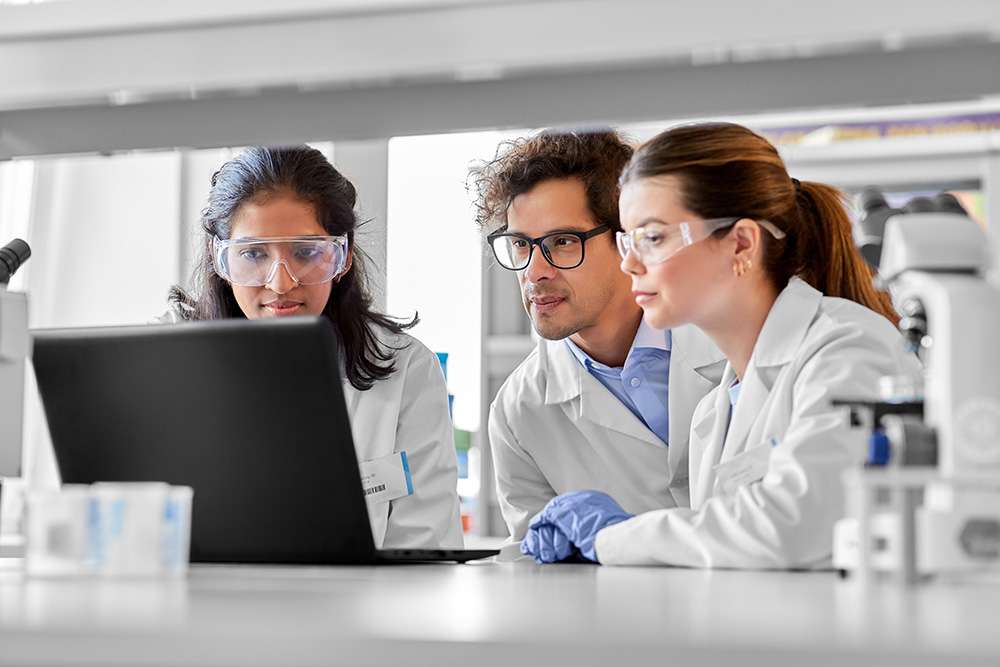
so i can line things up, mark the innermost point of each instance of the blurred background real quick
(115, 113)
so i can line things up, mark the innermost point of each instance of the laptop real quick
(249, 413)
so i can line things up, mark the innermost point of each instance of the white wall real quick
(435, 254)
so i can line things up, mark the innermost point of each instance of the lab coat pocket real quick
(744, 468)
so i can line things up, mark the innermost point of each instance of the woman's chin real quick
(656, 319)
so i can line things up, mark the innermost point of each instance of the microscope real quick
(927, 502)
(14, 349)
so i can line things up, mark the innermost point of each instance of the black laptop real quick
(249, 413)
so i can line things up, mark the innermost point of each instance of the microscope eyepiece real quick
(948, 203)
(12, 256)
(920, 205)
(874, 211)
(871, 200)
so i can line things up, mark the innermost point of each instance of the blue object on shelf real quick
(443, 360)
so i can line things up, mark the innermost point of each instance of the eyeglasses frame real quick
(537, 241)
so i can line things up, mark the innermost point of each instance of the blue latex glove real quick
(568, 524)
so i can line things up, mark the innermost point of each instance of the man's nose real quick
(538, 267)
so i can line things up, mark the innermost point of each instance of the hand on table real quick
(568, 524)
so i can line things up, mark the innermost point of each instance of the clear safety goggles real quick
(252, 262)
(655, 242)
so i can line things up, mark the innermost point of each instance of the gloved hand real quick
(568, 524)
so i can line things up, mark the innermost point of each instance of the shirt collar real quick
(734, 391)
(645, 337)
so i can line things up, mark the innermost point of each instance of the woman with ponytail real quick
(717, 234)
(279, 240)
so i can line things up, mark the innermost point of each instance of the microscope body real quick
(14, 350)
(936, 266)
(941, 514)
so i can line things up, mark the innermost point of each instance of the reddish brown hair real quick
(727, 170)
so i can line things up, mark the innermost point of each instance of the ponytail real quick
(827, 257)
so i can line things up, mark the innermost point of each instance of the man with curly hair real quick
(604, 402)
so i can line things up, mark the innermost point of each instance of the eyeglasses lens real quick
(563, 251)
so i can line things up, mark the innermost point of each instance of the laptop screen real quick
(249, 413)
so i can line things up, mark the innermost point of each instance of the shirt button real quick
(635, 382)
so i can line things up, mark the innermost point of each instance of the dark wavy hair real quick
(727, 170)
(596, 158)
(256, 175)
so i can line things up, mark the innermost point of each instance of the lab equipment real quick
(14, 349)
(568, 524)
(875, 211)
(928, 502)
(138, 529)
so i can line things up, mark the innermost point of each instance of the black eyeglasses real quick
(563, 250)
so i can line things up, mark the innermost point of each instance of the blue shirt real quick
(734, 395)
(642, 383)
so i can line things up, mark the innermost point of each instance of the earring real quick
(738, 267)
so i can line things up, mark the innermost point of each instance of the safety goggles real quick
(252, 262)
(655, 242)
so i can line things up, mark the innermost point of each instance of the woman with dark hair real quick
(279, 232)
(717, 234)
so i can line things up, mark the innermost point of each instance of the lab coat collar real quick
(569, 382)
(693, 347)
(565, 372)
(787, 324)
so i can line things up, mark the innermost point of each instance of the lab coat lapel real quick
(747, 411)
(782, 334)
(696, 365)
(569, 382)
(708, 434)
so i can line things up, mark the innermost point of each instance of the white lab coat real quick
(554, 428)
(408, 411)
(812, 349)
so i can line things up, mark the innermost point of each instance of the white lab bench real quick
(484, 614)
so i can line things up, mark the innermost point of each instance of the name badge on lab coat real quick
(386, 478)
(744, 468)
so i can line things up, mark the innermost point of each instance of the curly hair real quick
(596, 158)
(257, 175)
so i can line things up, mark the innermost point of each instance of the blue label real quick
(406, 471)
